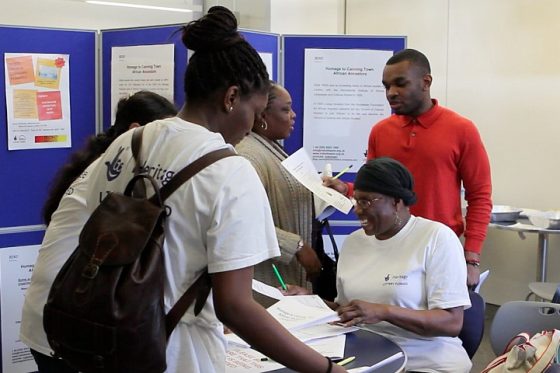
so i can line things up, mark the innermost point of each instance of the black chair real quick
(473, 324)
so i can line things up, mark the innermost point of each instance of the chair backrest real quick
(522, 316)
(473, 324)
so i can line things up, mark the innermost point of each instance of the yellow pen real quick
(347, 360)
(342, 172)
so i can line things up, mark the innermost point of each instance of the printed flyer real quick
(37, 100)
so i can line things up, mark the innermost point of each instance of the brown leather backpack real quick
(105, 310)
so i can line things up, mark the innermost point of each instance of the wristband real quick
(473, 263)
(329, 368)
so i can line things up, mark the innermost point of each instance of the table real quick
(369, 348)
(523, 226)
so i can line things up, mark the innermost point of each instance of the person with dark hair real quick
(402, 276)
(441, 148)
(136, 110)
(65, 213)
(220, 219)
(291, 203)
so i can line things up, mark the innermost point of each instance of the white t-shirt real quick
(219, 219)
(422, 268)
(60, 240)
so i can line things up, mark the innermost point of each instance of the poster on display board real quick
(37, 100)
(16, 268)
(343, 98)
(142, 67)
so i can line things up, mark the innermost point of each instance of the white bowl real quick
(504, 213)
(546, 220)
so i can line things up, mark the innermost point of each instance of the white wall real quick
(307, 16)
(76, 14)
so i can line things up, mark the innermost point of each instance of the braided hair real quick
(142, 107)
(222, 57)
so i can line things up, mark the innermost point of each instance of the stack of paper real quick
(305, 316)
(302, 311)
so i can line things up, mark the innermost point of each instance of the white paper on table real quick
(264, 289)
(295, 313)
(322, 331)
(298, 312)
(300, 166)
(332, 347)
(378, 365)
(247, 360)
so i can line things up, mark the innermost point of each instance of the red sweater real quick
(441, 149)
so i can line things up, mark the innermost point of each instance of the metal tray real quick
(501, 213)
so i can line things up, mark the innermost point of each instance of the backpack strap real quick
(135, 145)
(192, 169)
(201, 287)
(199, 290)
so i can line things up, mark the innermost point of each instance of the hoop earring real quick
(264, 125)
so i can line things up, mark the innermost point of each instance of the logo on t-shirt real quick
(115, 166)
(395, 280)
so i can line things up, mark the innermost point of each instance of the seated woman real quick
(402, 276)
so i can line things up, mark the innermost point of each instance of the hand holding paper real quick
(300, 166)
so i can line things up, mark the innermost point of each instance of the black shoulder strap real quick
(136, 144)
(333, 242)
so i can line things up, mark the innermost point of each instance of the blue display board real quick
(262, 42)
(294, 62)
(26, 174)
(265, 43)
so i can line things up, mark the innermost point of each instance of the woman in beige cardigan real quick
(291, 202)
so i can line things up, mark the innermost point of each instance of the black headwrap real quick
(386, 176)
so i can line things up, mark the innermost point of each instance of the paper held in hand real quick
(301, 167)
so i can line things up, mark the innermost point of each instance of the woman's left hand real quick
(361, 312)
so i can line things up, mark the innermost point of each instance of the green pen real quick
(279, 277)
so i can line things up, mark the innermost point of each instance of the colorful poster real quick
(143, 67)
(37, 100)
(16, 268)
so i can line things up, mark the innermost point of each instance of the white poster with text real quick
(16, 268)
(343, 99)
(138, 68)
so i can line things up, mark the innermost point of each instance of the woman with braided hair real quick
(220, 219)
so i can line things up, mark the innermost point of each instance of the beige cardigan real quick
(291, 204)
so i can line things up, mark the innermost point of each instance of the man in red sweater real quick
(441, 149)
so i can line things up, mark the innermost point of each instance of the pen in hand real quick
(342, 172)
(284, 287)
